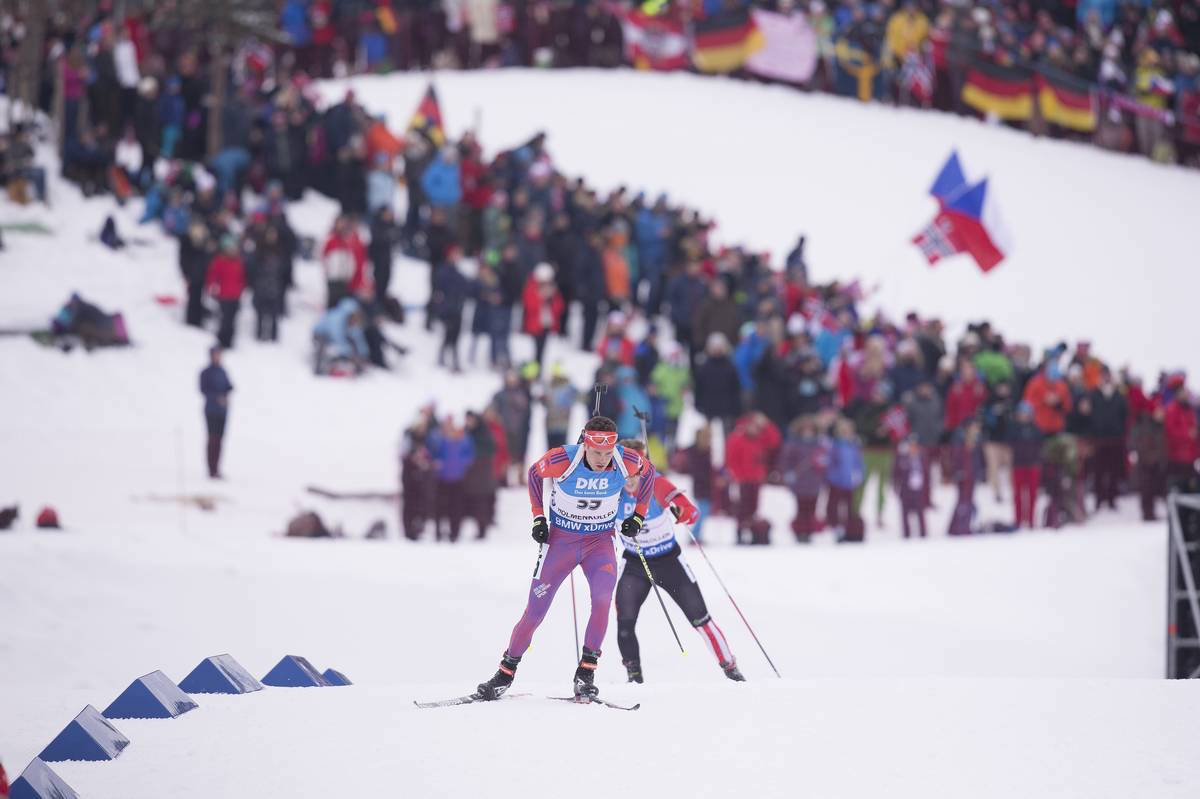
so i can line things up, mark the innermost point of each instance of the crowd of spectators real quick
(808, 390)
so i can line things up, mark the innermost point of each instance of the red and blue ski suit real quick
(583, 509)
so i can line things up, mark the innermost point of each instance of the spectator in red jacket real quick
(966, 397)
(501, 458)
(225, 282)
(344, 260)
(1183, 447)
(748, 453)
(543, 306)
(616, 346)
(476, 191)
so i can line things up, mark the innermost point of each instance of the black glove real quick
(541, 530)
(632, 526)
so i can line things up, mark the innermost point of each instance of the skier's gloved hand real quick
(684, 511)
(541, 530)
(632, 526)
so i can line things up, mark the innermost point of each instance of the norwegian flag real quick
(936, 240)
(895, 422)
(917, 78)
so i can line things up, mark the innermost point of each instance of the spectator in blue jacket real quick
(453, 453)
(293, 19)
(651, 228)
(441, 181)
(685, 293)
(339, 340)
(216, 388)
(844, 474)
(749, 352)
(631, 395)
(451, 290)
(829, 342)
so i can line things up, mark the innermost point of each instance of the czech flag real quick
(976, 225)
(967, 220)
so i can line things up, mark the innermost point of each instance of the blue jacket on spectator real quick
(685, 293)
(829, 343)
(340, 338)
(630, 394)
(650, 232)
(846, 467)
(215, 385)
(746, 356)
(453, 456)
(1107, 9)
(441, 182)
(294, 21)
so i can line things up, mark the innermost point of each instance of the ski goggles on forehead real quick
(600, 439)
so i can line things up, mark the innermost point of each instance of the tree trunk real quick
(31, 53)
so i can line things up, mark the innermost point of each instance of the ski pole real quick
(574, 615)
(642, 417)
(598, 389)
(713, 568)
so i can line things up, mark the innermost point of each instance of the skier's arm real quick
(674, 500)
(553, 464)
(645, 487)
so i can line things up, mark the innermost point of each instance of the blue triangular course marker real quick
(89, 736)
(152, 696)
(294, 672)
(335, 677)
(219, 674)
(38, 781)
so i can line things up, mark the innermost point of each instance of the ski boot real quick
(731, 671)
(634, 669)
(498, 684)
(585, 676)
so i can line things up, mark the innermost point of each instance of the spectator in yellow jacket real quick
(906, 32)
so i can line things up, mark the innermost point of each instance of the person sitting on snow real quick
(339, 344)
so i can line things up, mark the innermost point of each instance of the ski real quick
(468, 699)
(579, 700)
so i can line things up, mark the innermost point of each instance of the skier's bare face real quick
(631, 485)
(597, 459)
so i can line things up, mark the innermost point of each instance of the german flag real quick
(1005, 92)
(1065, 100)
(722, 42)
(427, 119)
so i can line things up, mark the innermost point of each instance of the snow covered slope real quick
(1006, 666)
(1102, 242)
(996, 668)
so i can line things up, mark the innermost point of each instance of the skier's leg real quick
(632, 590)
(561, 557)
(600, 568)
(676, 577)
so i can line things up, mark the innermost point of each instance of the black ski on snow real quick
(470, 699)
(465, 700)
(579, 700)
